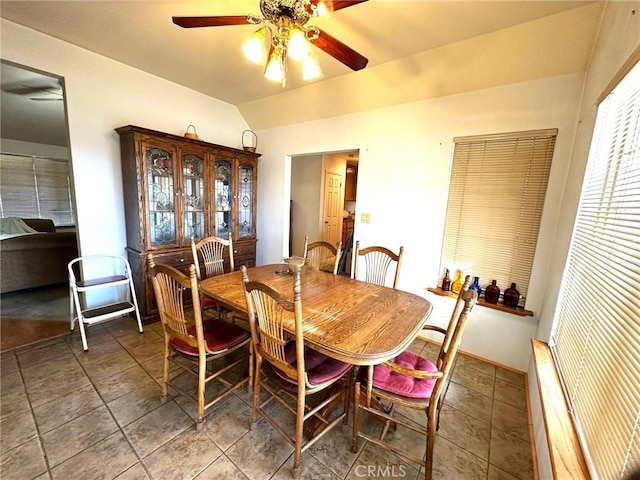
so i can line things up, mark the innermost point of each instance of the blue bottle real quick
(476, 286)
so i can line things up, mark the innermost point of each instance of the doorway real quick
(318, 187)
(35, 131)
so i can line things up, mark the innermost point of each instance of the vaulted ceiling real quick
(416, 49)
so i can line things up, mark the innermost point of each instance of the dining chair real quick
(377, 262)
(322, 255)
(412, 381)
(210, 253)
(290, 371)
(200, 343)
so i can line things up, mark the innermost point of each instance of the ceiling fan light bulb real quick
(310, 69)
(298, 48)
(254, 48)
(275, 70)
(321, 8)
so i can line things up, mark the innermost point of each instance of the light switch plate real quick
(365, 217)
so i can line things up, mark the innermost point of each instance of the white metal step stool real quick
(119, 274)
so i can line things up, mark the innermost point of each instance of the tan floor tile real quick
(121, 383)
(473, 379)
(510, 420)
(110, 365)
(496, 474)
(102, 461)
(485, 368)
(157, 428)
(184, 456)
(24, 461)
(13, 395)
(71, 438)
(334, 450)
(511, 454)
(511, 394)
(469, 401)
(260, 453)
(516, 378)
(136, 403)
(8, 364)
(375, 462)
(16, 430)
(310, 467)
(451, 462)
(48, 353)
(65, 408)
(222, 469)
(229, 422)
(137, 472)
(465, 431)
(56, 386)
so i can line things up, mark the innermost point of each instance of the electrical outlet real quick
(365, 218)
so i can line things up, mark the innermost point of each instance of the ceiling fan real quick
(40, 93)
(285, 25)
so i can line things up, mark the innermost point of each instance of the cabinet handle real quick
(182, 260)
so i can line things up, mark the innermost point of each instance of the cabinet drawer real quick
(179, 259)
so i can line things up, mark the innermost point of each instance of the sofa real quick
(29, 260)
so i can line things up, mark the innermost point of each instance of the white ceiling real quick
(392, 34)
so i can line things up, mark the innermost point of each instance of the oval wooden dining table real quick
(350, 320)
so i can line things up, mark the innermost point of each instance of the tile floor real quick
(68, 414)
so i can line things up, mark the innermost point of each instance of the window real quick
(596, 335)
(498, 186)
(35, 187)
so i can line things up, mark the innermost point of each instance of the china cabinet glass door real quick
(160, 181)
(193, 196)
(223, 198)
(245, 200)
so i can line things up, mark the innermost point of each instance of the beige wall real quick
(403, 180)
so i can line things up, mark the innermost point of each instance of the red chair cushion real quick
(207, 302)
(218, 335)
(319, 367)
(407, 386)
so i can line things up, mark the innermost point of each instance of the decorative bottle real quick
(456, 286)
(446, 281)
(511, 296)
(476, 286)
(492, 293)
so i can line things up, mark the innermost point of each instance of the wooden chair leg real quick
(300, 411)
(202, 373)
(165, 369)
(256, 390)
(431, 437)
(356, 411)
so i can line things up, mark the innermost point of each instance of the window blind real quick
(596, 335)
(496, 197)
(35, 187)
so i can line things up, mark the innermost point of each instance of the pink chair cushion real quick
(218, 335)
(319, 367)
(407, 386)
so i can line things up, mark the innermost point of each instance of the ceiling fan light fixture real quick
(310, 68)
(276, 66)
(255, 48)
(298, 48)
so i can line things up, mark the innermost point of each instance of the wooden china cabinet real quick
(176, 188)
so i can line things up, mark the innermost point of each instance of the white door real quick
(332, 207)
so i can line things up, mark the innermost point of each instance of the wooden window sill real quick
(565, 451)
(496, 306)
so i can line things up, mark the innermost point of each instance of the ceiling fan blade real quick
(340, 4)
(215, 21)
(340, 51)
